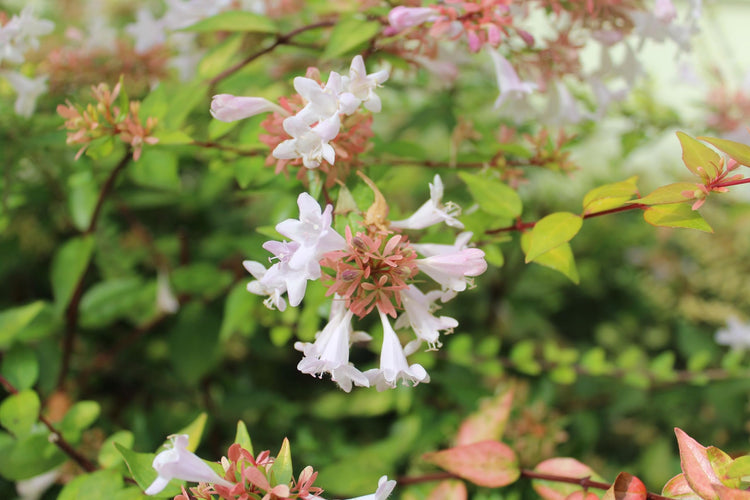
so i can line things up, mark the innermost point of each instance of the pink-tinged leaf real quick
(736, 150)
(721, 462)
(727, 493)
(678, 487)
(582, 495)
(257, 478)
(451, 489)
(677, 215)
(488, 463)
(562, 466)
(671, 193)
(696, 466)
(489, 422)
(699, 158)
(626, 487)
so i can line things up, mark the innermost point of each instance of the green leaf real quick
(170, 138)
(13, 321)
(101, 147)
(108, 455)
(68, 266)
(29, 456)
(193, 343)
(662, 366)
(248, 169)
(109, 301)
(671, 193)
(242, 437)
(139, 465)
(201, 278)
(235, 20)
(551, 232)
(493, 196)
(92, 486)
(19, 412)
(78, 418)
(218, 58)
(348, 34)
(560, 259)
(20, 367)
(610, 196)
(239, 316)
(281, 470)
(523, 357)
(82, 197)
(194, 430)
(157, 168)
(699, 158)
(736, 150)
(676, 215)
(493, 255)
(594, 361)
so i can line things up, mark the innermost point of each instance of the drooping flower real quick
(418, 314)
(401, 18)
(179, 463)
(393, 363)
(28, 90)
(385, 488)
(330, 351)
(230, 108)
(432, 211)
(736, 335)
(310, 144)
(362, 86)
(508, 81)
(454, 269)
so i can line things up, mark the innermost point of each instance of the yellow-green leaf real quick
(610, 196)
(242, 437)
(493, 196)
(194, 430)
(281, 470)
(676, 215)
(699, 157)
(235, 20)
(740, 152)
(68, 265)
(559, 258)
(19, 412)
(551, 232)
(671, 193)
(348, 34)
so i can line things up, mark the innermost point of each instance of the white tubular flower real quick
(509, 83)
(322, 103)
(393, 364)
(267, 282)
(147, 31)
(385, 488)
(736, 335)
(230, 108)
(179, 463)
(20, 34)
(433, 211)
(361, 86)
(28, 90)
(310, 144)
(312, 231)
(401, 18)
(34, 487)
(166, 301)
(417, 314)
(452, 270)
(430, 249)
(330, 352)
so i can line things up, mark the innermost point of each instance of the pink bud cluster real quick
(374, 268)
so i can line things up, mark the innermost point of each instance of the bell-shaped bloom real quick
(230, 108)
(310, 144)
(452, 270)
(432, 211)
(267, 282)
(510, 85)
(361, 86)
(418, 314)
(393, 363)
(330, 351)
(27, 90)
(179, 463)
(312, 231)
(430, 249)
(736, 335)
(385, 488)
(401, 18)
(322, 103)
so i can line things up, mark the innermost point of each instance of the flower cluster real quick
(319, 123)
(245, 476)
(18, 35)
(374, 268)
(107, 120)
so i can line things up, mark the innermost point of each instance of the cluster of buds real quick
(373, 268)
(106, 120)
(318, 125)
(245, 476)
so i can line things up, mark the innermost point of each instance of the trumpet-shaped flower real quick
(27, 90)
(361, 86)
(230, 108)
(393, 363)
(179, 463)
(385, 488)
(330, 351)
(401, 18)
(429, 249)
(510, 85)
(417, 314)
(310, 144)
(322, 103)
(432, 211)
(452, 270)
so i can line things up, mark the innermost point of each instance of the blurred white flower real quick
(27, 90)
(736, 335)
(147, 31)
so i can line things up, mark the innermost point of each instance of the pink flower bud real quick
(229, 108)
(402, 18)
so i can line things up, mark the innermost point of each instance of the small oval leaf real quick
(699, 158)
(551, 232)
(488, 463)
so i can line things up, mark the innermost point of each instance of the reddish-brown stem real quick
(71, 311)
(55, 436)
(583, 482)
(522, 226)
(280, 40)
(733, 183)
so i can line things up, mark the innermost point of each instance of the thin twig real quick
(523, 226)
